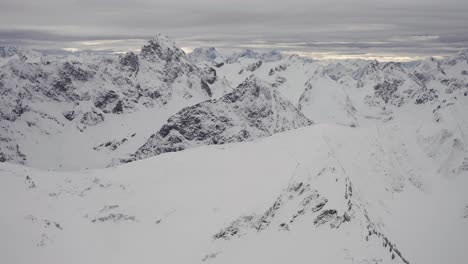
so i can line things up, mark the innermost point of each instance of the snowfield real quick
(168, 209)
(163, 157)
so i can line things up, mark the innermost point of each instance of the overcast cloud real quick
(318, 28)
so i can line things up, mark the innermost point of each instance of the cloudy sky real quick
(399, 29)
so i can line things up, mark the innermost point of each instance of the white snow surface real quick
(167, 209)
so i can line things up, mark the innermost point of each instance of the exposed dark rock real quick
(386, 89)
(111, 145)
(73, 71)
(210, 76)
(117, 217)
(254, 66)
(131, 61)
(325, 216)
(279, 81)
(108, 98)
(10, 151)
(62, 85)
(234, 229)
(31, 184)
(453, 85)
(206, 88)
(154, 49)
(319, 204)
(92, 118)
(155, 95)
(161, 48)
(424, 95)
(69, 115)
(464, 165)
(118, 107)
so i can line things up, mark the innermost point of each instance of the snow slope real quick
(324, 193)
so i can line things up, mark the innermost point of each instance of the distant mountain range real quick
(70, 99)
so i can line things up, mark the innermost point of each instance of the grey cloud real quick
(340, 26)
(45, 35)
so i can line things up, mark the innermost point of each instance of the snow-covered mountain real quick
(8, 53)
(60, 103)
(251, 54)
(99, 106)
(428, 99)
(210, 54)
(273, 159)
(253, 110)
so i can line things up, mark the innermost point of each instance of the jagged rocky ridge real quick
(253, 110)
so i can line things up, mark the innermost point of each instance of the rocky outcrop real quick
(254, 66)
(130, 61)
(298, 200)
(92, 118)
(10, 151)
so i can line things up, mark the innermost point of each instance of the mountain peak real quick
(8, 51)
(161, 46)
(205, 54)
(163, 40)
(273, 55)
(253, 81)
(462, 55)
(248, 53)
